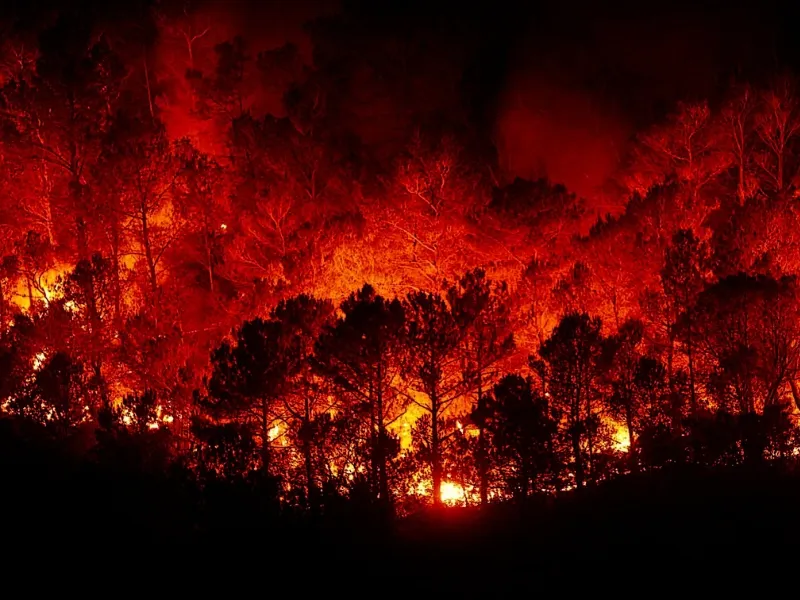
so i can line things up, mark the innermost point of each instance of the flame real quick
(620, 440)
(38, 360)
(452, 493)
(128, 416)
(45, 289)
(276, 433)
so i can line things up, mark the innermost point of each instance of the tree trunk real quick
(115, 246)
(383, 475)
(629, 425)
(576, 451)
(675, 413)
(30, 293)
(524, 480)
(82, 238)
(483, 467)
(265, 442)
(589, 436)
(148, 252)
(436, 459)
(2, 310)
(795, 393)
(311, 483)
(209, 263)
(374, 469)
(147, 86)
(741, 179)
(692, 396)
(576, 440)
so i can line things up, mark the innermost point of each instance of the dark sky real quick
(561, 85)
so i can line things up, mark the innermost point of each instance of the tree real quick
(777, 125)
(482, 311)
(248, 380)
(747, 327)
(522, 428)
(289, 204)
(87, 292)
(56, 113)
(738, 120)
(575, 291)
(650, 389)
(306, 400)
(225, 451)
(57, 394)
(433, 337)
(438, 190)
(363, 354)
(18, 358)
(200, 198)
(686, 146)
(686, 265)
(9, 272)
(624, 401)
(35, 258)
(139, 156)
(572, 353)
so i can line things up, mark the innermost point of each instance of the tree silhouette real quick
(523, 429)
(572, 353)
(249, 378)
(483, 313)
(362, 354)
(683, 277)
(433, 337)
(306, 401)
(624, 400)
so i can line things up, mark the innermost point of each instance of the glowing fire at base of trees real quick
(451, 494)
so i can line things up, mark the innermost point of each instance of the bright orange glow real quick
(621, 440)
(38, 360)
(452, 494)
(41, 288)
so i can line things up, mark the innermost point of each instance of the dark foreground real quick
(112, 526)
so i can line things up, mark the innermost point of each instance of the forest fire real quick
(332, 281)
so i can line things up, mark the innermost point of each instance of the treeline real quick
(384, 402)
(189, 299)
